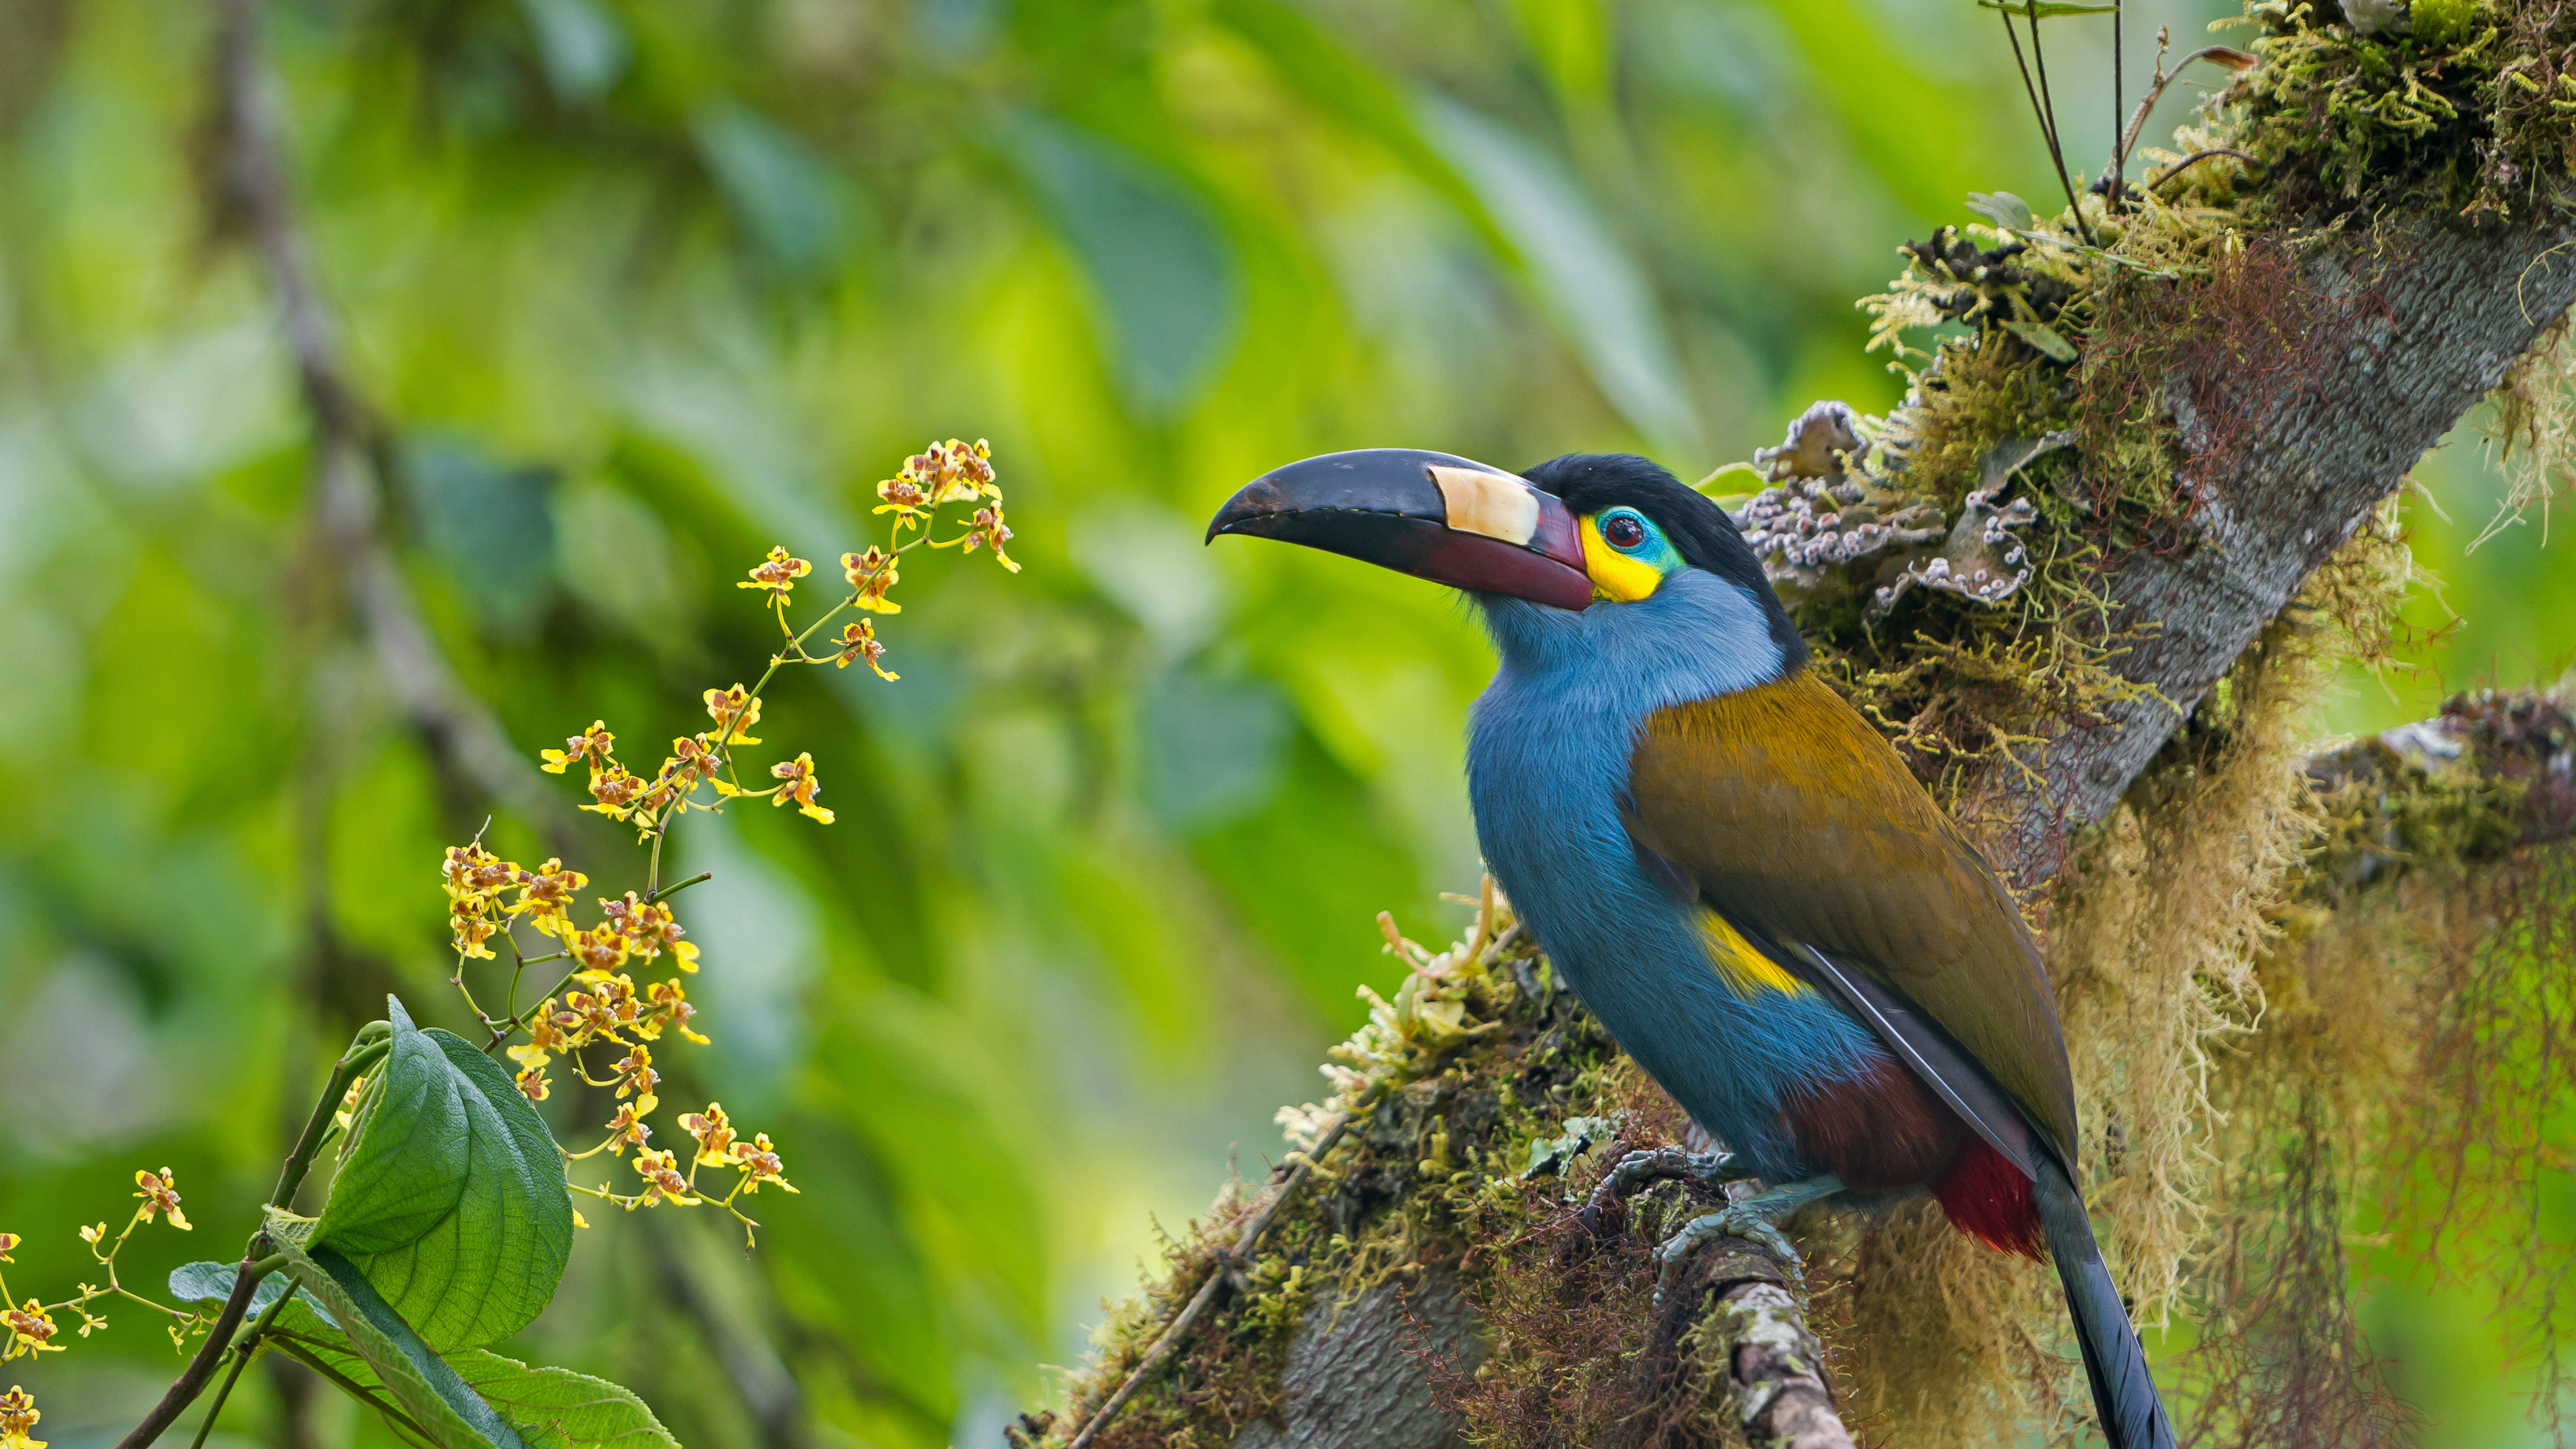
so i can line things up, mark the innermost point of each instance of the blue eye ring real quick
(1627, 530)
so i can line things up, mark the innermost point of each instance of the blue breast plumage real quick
(1548, 759)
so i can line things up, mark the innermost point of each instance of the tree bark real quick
(2416, 325)
(2410, 327)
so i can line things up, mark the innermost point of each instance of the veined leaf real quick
(555, 1408)
(550, 1408)
(213, 1283)
(407, 1376)
(451, 1196)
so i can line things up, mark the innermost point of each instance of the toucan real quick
(1731, 867)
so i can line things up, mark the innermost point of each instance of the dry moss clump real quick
(2405, 1103)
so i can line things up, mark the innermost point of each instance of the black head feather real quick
(1699, 529)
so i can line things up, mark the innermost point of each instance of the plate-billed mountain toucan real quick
(1733, 869)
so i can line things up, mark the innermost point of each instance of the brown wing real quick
(1796, 821)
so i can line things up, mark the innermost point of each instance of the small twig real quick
(2048, 102)
(2225, 55)
(364, 1052)
(2119, 68)
(2185, 163)
(242, 1354)
(2039, 105)
(1244, 1242)
(192, 1380)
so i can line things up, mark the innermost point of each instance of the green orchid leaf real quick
(404, 1377)
(2044, 338)
(2003, 209)
(551, 1408)
(450, 1195)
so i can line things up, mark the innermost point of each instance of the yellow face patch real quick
(1741, 962)
(1614, 574)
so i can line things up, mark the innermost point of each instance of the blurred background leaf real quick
(644, 288)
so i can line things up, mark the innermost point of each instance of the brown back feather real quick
(1800, 823)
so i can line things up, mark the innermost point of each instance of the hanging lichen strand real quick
(2260, 960)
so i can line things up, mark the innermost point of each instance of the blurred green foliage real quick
(645, 287)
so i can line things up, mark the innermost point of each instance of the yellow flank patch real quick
(1741, 962)
(1614, 574)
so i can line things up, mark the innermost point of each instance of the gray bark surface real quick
(2421, 325)
(2417, 334)
(1358, 1378)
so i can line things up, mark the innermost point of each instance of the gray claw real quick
(1754, 1225)
(1755, 1219)
(1711, 1170)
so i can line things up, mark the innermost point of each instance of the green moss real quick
(2341, 119)
(2468, 113)
(2385, 812)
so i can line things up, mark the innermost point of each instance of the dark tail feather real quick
(2124, 1395)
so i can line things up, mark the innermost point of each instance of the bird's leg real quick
(1756, 1218)
(1711, 1170)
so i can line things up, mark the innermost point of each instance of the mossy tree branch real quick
(2420, 320)
(2492, 773)
(1542, 1335)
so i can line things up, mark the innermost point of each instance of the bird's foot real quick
(1634, 1172)
(1755, 1219)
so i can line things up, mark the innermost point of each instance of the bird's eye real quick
(1622, 530)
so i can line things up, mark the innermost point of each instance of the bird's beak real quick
(1447, 519)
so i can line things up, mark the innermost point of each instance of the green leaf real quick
(408, 1378)
(1164, 271)
(788, 199)
(1548, 1155)
(450, 1197)
(2003, 209)
(2045, 9)
(213, 1283)
(555, 1408)
(1340, 83)
(1592, 290)
(2043, 337)
(550, 1408)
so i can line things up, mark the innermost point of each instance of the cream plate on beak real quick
(1497, 505)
